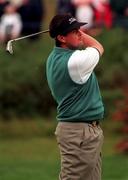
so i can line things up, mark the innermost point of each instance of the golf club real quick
(9, 47)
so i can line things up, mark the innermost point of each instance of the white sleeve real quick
(82, 63)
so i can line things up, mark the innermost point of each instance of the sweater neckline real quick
(62, 49)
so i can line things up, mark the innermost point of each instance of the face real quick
(72, 40)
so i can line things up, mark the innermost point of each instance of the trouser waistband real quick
(93, 122)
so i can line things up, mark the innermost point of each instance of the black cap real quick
(62, 24)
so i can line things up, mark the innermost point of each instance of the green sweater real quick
(76, 102)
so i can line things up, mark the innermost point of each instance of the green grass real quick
(38, 158)
(115, 167)
(25, 159)
(28, 151)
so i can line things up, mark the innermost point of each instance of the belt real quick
(93, 122)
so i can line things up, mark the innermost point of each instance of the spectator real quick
(103, 13)
(65, 6)
(3, 3)
(10, 25)
(32, 13)
(120, 12)
(85, 13)
(16, 2)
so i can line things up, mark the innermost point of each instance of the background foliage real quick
(24, 89)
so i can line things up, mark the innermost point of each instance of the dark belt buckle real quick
(94, 123)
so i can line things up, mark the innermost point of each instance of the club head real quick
(9, 47)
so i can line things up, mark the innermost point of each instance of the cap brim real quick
(76, 25)
(82, 23)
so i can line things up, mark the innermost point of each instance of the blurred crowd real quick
(98, 13)
(26, 16)
(20, 17)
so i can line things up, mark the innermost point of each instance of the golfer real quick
(73, 84)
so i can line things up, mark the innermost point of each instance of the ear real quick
(61, 38)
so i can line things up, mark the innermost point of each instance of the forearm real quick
(89, 41)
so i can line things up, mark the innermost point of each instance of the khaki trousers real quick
(80, 149)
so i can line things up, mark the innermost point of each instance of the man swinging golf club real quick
(74, 86)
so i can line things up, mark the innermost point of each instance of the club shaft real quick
(24, 37)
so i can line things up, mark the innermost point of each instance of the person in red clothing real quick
(103, 13)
